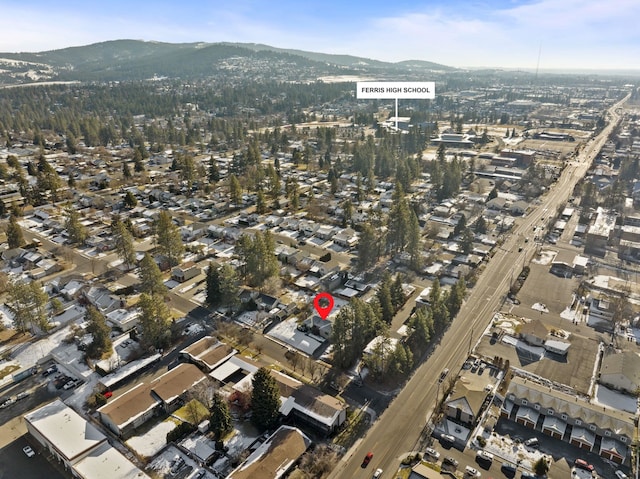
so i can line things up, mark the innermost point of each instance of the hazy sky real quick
(594, 34)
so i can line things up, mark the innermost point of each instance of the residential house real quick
(185, 272)
(171, 387)
(465, 404)
(534, 332)
(305, 403)
(125, 413)
(208, 353)
(621, 371)
(275, 457)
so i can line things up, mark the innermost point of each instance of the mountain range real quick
(124, 60)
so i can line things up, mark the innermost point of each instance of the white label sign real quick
(396, 89)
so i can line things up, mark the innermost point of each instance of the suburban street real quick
(398, 431)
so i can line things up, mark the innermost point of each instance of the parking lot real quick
(14, 462)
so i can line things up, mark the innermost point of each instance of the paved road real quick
(399, 430)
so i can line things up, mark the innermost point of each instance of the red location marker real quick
(323, 303)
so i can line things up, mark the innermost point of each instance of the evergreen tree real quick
(126, 171)
(214, 295)
(261, 204)
(28, 301)
(235, 191)
(257, 252)
(220, 420)
(154, 321)
(368, 247)
(168, 238)
(15, 239)
(413, 241)
(397, 293)
(151, 281)
(214, 171)
(75, 229)
(130, 200)
(480, 226)
(100, 332)
(123, 241)
(421, 324)
(265, 400)
(384, 298)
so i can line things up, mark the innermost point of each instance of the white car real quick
(621, 475)
(471, 472)
(377, 474)
(431, 452)
(28, 451)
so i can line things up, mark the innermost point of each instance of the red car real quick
(582, 464)
(367, 459)
(107, 394)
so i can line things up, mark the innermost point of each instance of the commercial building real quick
(78, 445)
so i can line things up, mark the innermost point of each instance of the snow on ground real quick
(615, 400)
(568, 313)
(162, 465)
(244, 434)
(545, 257)
(150, 443)
(6, 317)
(506, 323)
(540, 307)
(510, 451)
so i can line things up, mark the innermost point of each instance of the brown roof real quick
(131, 404)
(318, 402)
(200, 346)
(177, 381)
(283, 448)
(535, 327)
(209, 350)
(286, 384)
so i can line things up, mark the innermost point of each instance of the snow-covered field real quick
(149, 444)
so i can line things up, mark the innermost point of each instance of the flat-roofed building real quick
(63, 432)
(78, 445)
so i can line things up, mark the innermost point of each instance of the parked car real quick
(527, 475)
(452, 461)
(23, 395)
(582, 464)
(28, 451)
(447, 438)
(443, 374)
(509, 468)
(484, 457)
(621, 475)
(50, 370)
(70, 384)
(532, 443)
(367, 459)
(178, 462)
(377, 474)
(471, 472)
(200, 474)
(431, 452)
(107, 394)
